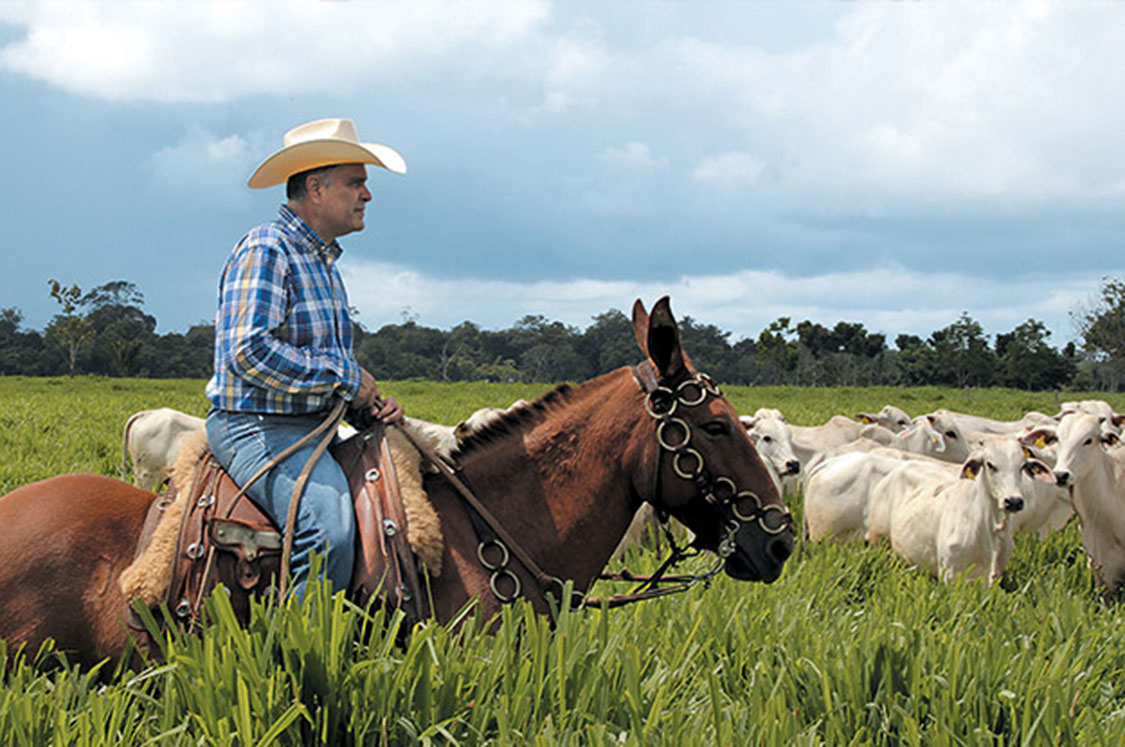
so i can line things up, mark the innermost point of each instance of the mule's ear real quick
(664, 341)
(640, 326)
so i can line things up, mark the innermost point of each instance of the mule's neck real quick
(563, 481)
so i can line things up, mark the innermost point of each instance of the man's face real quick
(341, 199)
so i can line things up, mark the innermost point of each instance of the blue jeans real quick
(244, 442)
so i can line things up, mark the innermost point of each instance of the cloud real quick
(209, 167)
(892, 300)
(729, 172)
(218, 50)
(937, 102)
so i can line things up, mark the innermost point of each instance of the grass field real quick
(849, 647)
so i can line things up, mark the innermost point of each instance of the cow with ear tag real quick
(961, 526)
(1094, 472)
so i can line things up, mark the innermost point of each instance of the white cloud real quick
(633, 157)
(209, 167)
(216, 50)
(729, 171)
(891, 300)
(937, 101)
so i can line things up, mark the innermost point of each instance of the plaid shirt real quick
(283, 337)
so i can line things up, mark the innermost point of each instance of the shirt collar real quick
(308, 238)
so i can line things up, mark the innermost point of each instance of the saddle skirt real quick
(201, 533)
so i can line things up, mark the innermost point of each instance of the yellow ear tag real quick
(1027, 453)
(865, 419)
(1041, 442)
(972, 473)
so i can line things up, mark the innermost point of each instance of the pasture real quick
(849, 646)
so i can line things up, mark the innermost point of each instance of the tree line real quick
(106, 331)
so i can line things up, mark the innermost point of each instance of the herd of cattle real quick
(947, 490)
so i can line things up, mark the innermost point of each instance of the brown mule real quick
(562, 477)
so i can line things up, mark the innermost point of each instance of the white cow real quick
(976, 426)
(840, 492)
(773, 440)
(961, 525)
(151, 441)
(1095, 476)
(890, 417)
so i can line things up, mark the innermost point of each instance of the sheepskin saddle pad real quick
(195, 538)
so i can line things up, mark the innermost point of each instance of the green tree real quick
(1028, 362)
(962, 356)
(70, 328)
(1102, 329)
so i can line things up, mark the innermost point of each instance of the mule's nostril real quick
(781, 548)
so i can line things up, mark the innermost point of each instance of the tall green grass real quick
(849, 647)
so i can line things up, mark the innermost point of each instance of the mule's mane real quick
(514, 421)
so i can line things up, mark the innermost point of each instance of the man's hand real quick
(368, 391)
(388, 411)
(385, 410)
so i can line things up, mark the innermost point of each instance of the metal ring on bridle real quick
(673, 447)
(504, 558)
(505, 573)
(684, 473)
(757, 506)
(783, 521)
(733, 489)
(665, 395)
(688, 383)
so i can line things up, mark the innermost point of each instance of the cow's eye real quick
(1087, 442)
(768, 439)
(991, 466)
(950, 434)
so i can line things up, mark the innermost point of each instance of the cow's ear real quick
(1039, 438)
(971, 469)
(1039, 471)
(664, 341)
(864, 417)
(1118, 419)
(640, 326)
(748, 421)
(1110, 439)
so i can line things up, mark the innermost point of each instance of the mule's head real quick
(707, 473)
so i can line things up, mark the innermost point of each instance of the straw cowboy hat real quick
(324, 142)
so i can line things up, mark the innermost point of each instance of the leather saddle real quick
(232, 542)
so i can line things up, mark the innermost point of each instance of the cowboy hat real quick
(325, 142)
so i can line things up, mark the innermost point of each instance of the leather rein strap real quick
(326, 427)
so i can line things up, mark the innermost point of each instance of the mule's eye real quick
(716, 428)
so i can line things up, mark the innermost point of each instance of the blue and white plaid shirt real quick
(283, 337)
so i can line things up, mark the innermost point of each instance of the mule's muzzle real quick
(762, 558)
(1013, 503)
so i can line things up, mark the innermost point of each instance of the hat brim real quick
(313, 154)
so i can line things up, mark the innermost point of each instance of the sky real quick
(893, 163)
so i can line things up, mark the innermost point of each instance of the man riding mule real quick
(554, 486)
(283, 341)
